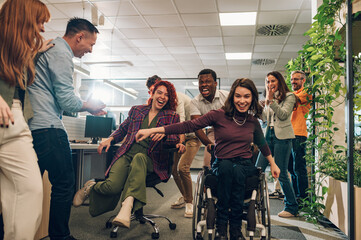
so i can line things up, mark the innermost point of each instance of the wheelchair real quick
(256, 211)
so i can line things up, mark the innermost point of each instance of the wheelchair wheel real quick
(199, 212)
(263, 211)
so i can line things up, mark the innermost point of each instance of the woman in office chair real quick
(235, 128)
(126, 176)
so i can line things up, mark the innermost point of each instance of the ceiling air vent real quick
(263, 61)
(273, 30)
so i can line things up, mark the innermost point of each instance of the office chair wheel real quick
(155, 235)
(172, 226)
(113, 234)
(108, 224)
(199, 237)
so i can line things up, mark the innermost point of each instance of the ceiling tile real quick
(273, 55)
(279, 17)
(160, 57)
(128, 22)
(239, 62)
(205, 31)
(274, 5)
(154, 7)
(204, 19)
(292, 47)
(164, 21)
(181, 50)
(175, 42)
(55, 13)
(171, 32)
(147, 43)
(268, 48)
(138, 32)
(112, 8)
(238, 48)
(154, 50)
(79, 9)
(301, 28)
(283, 61)
(213, 62)
(210, 41)
(307, 4)
(58, 25)
(210, 49)
(199, 6)
(288, 55)
(264, 40)
(238, 30)
(237, 5)
(304, 17)
(209, 56)
(297, 39)
(190, 62)
(183, 56)
(237, 40)
(168, 63)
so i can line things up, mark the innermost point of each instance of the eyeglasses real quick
(296, 79)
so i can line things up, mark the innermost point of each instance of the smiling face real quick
(207, 86)
(242, 99)
(272, 83)
(85, 42)
(160, 98)
(297, 81)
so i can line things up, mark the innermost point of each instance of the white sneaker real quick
(189, 210)
(180, 203)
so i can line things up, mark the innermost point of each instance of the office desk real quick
(88, 163)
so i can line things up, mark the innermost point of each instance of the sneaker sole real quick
(178, 206)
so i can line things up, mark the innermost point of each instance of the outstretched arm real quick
(144, 133)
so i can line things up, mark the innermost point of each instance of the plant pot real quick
(336, 201)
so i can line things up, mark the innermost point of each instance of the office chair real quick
(151, 181)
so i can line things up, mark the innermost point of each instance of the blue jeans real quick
(297, 166)
(281, 151)
(231, 180)
(54, 155)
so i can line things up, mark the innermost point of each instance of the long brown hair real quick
(20, 39)
(255, 108)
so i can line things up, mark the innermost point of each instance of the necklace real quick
(239, 123)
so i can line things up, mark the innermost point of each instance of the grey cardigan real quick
(282, 117)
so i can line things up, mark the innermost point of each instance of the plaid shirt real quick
(129, 128)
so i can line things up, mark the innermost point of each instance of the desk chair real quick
(151, 181)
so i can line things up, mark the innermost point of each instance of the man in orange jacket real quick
(297, 163)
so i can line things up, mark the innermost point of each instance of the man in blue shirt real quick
(51, 94)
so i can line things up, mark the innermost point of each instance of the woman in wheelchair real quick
(126, 176)
(236, 126)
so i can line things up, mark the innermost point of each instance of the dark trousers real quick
(297, 166)
(54, 155)
(231, 177)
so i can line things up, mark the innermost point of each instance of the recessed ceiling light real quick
(238, 19)
(238, 56)
(195, 83)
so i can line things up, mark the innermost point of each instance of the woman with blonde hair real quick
(21, 22)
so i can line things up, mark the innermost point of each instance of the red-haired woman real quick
(21, 22)
(127, 174)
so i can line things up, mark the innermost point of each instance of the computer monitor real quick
(97, 127)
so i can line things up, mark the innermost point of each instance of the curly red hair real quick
(172, 95)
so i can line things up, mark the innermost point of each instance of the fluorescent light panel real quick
(119, 88)
(238, 56)
(238, 19)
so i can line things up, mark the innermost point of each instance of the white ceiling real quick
(178, 38)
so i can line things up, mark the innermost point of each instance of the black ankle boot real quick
(221, 232)
(235, 233)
